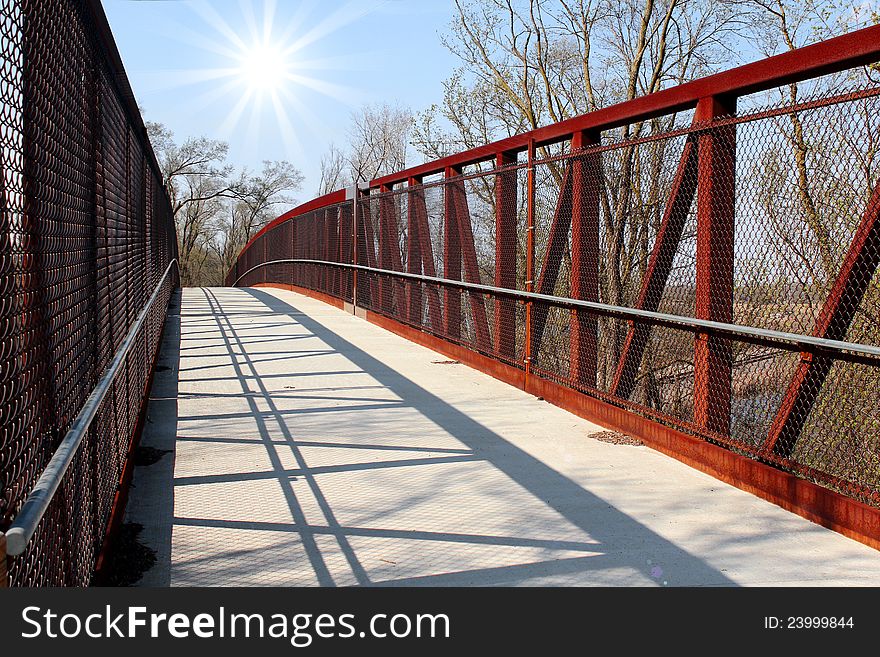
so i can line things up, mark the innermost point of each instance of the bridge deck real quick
(308, 447)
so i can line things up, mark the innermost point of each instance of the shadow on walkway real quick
(620, 541)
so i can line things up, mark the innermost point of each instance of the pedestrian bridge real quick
(638, 346)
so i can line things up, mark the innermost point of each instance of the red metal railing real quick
(706, 278)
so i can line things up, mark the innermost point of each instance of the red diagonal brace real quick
(834, 321)
(418, 216)
(557, 246)
(681, 197)
(390, 248)
(469, 257)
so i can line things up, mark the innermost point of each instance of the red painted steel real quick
(557, 247)
(585, 253)
(713, 355)
(530, 254)
(852, 282)
(413, 250)
(426, 265)
(848, 51)
(504, 328)
(462, 218)
(681, 197)
(315, 204)
(370, 258)
(706, 170)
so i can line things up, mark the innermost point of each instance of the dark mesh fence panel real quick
(86, 234)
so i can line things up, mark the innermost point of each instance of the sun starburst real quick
(264, 69)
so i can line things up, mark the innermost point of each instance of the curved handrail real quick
(25, 524)
(782, 339)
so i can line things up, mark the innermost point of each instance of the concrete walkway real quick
(308, 447)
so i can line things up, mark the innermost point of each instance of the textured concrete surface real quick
(308, 447)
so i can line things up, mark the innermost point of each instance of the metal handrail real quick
(847, 351)
(25, 524)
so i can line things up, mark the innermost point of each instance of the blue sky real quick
(211, 67)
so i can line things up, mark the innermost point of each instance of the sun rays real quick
(265, 68)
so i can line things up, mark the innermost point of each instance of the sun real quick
(262, 68)
(265, 67)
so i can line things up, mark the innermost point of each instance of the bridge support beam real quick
(366, 250)
(391, 293)
(331, 247)
(681, 197)
(530, 256)
(413, 249)
(716, 184)
(856, 274)
(451, 257)
(586, 185)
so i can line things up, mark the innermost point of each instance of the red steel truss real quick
(539, 218)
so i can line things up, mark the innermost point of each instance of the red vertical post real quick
(586, 187)
(451, 258)
(265, 270)
(413, 249)
(355, 203)
(345, 249)
(505, 254)
(381, 259)
(368, 257)
(713, 355)
(385, 291)
(313, 250)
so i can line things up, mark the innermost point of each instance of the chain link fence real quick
(755, 233)
(86, 235)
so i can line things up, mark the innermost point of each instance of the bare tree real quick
(216, 210)
(378, 141)
(334, 171)
(254, 204)
(196, 176)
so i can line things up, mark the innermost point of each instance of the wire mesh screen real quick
(766, 219)
(87, 234)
